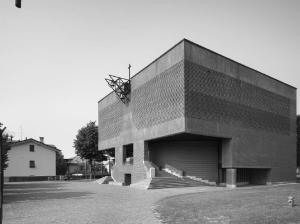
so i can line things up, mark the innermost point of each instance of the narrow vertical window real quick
(128, 154)
(31, 148)
(31, 164)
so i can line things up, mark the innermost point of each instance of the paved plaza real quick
(83, 202)
(78, 202)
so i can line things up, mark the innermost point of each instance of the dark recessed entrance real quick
(194, 155)
(252, 176)
(127, 179)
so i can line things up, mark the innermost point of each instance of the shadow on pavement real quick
(24, 191)
(42, 196)
(8, 186)
(38, 191)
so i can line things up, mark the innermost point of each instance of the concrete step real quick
(104, 180)
(144, 184)
(162, 173)
(202, 180)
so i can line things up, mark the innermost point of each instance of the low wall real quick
(32, 178)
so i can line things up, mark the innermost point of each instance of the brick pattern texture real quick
(110, 121)
(213, 96)
(207, 95)
(159, 100)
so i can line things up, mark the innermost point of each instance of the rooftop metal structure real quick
(121, 86)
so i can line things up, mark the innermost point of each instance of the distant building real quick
(31, 160)
(77, 165)
(195, 113)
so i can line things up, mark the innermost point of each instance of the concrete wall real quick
(19, 157)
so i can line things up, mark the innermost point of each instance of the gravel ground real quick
(83, 202)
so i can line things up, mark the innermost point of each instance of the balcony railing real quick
(174, 171)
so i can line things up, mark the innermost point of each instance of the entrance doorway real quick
(194, 155)
(127, 179)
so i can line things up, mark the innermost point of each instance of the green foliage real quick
(5, 146)
(86, 143)
(61, 165)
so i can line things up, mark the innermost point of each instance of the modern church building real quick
(193, 115)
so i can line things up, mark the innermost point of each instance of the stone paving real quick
(84, 203)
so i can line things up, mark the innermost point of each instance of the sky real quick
(55, 54)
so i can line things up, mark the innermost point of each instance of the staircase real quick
(162, 173)
(164, 179)
(167, 178)
(174, 182)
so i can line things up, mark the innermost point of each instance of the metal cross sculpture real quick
(120, 86)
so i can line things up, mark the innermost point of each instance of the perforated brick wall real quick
(110, 120)
(209, 95)
(161, 99)
(213, 96)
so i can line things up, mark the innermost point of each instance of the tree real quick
(4, 147)
(86, 144)
(4, 141)
(61, 165)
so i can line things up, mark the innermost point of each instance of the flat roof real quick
(191, 42)
(239, 63)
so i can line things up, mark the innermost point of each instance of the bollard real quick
(291, 201)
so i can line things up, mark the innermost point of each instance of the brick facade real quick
(213, 96)
(193, 90)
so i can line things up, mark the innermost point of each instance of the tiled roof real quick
(31, 140)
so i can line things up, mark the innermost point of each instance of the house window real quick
(31, 148)
(31, 164)
(128, 154)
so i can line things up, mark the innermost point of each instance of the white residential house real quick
(31, 160)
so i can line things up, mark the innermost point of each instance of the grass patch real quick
(244, 205)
